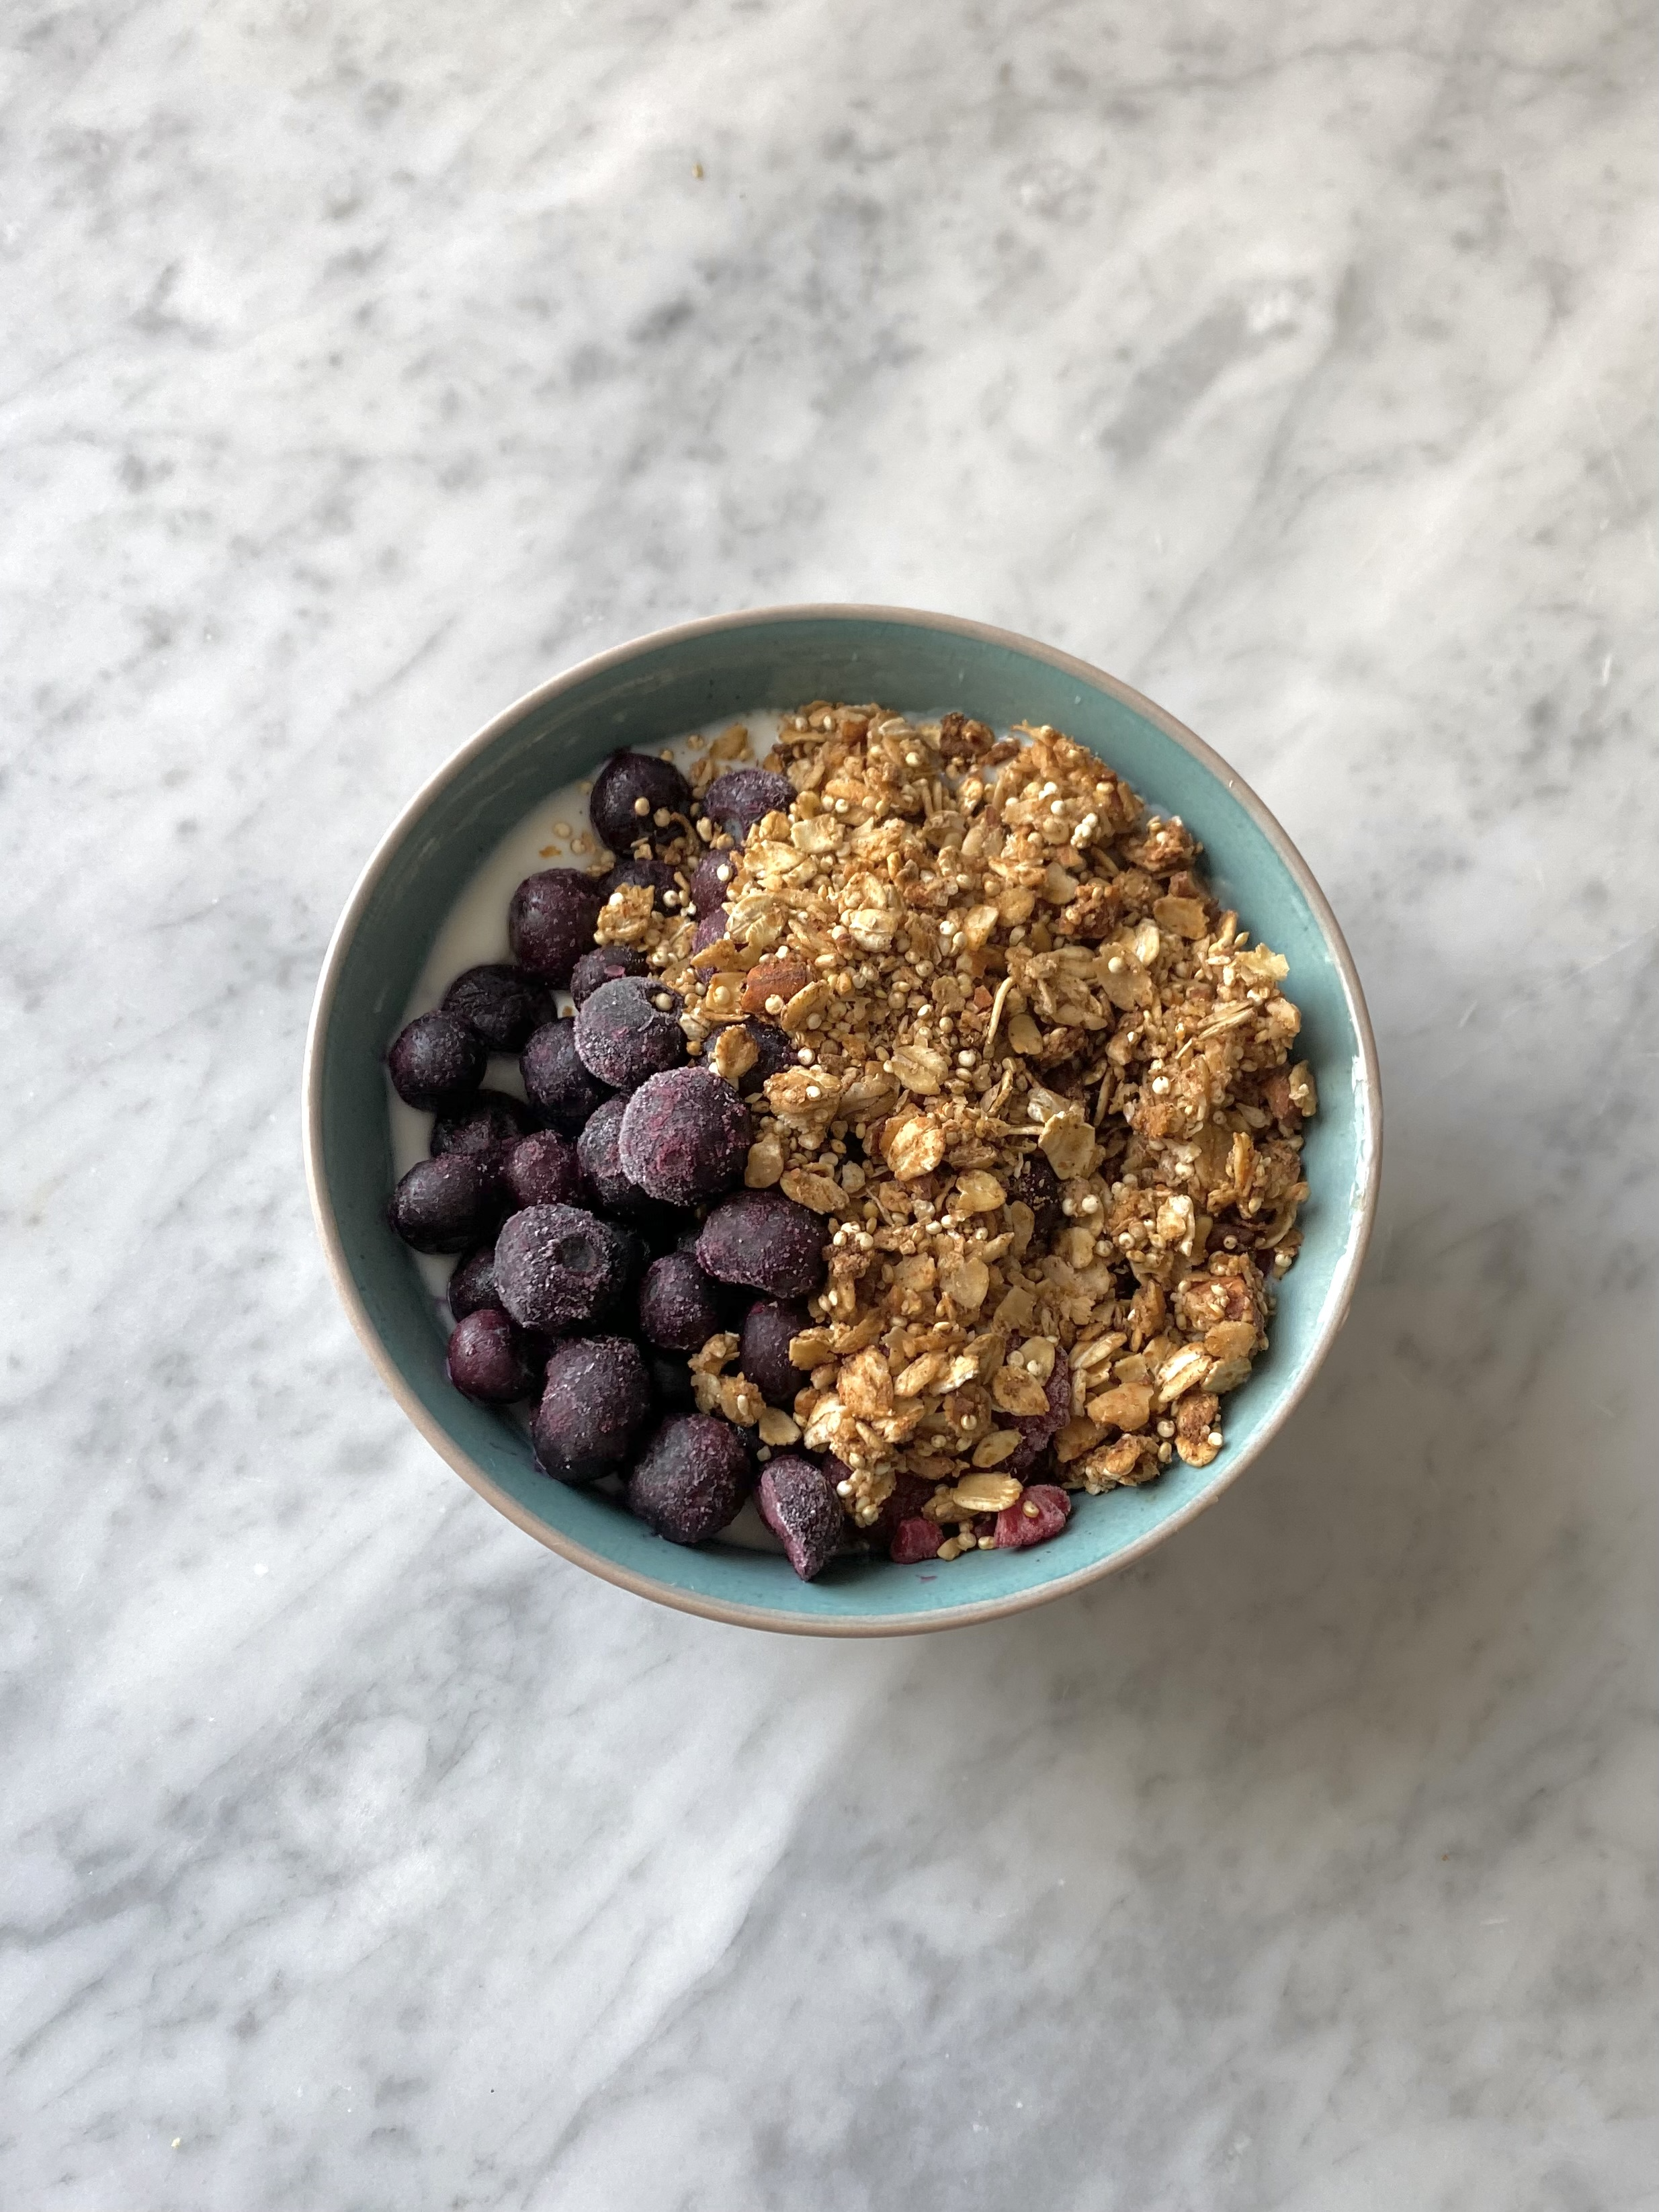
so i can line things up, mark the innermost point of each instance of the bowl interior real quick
(642, 696)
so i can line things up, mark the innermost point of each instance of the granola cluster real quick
(1043, 1099)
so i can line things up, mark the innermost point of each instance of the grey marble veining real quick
(364, 367)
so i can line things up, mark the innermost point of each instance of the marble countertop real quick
(366, 366)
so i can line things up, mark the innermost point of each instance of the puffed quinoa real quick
(988, 952)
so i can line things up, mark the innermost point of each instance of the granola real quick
(1044, 1099)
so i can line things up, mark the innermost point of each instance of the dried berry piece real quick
(494, 1122)
(491, 1360)
(446, 1205)
(596, 1404)
(560, 1088)
(909, 1494)
(505, 1005)
(628, 793)
(549, 921)
(711, 927)
(1036, 1185)
(1037, 1514)
(436, 1061)
(743, 796)
(768, 1328)
(765, 1241)
(691, 1478)
(1038, 1430)
(773, 981)
(606, 964)
(629, 1030)
(544, 1171)
(472, 1286)
(680, 1308)
(558, 1266)
(597, 1148)
(916, 1539)
(684, 1136)
(799, 1505)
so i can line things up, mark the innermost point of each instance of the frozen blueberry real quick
(549, 921)
(740, 798)
(689, 1480)
(1038, 1513)
(597, 1402)
(556, 1082)
(628, 793)
(490, 1360)
(494, 1122)
(616, 1194)
(712, 882)
(605, 965)
(711, 927)
(671, 1379)
(1036, 1185)
(680, 1308)
(799, 1505)
(662, 878)
(629, 1030)
(504, 1004)
(1038, 1430)
(448, 1204)
(545, 1171)
(768, 1329)
(473, 1284)
(765, 1241)
(558, 1266)
(437, 1061)
(685, 1136)
(775, 1050)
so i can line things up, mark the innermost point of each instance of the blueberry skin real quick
(626, 778)
(629, 1030)
(549, 921)
(1038, 1430)
(662, 878)
(744, 796)
(559, 1265)
(765, 1242)
(544, 1171)
(711, 927)
(775, 1050)
(606, 964)
(680, 1308)
(491, 1361)
(597, 1402)
(472, 1284)
(684, 1136)
(447, 1204)
(671, 1379)
(616, 1194)
(799, 1505)
(505, 1005)
(691, 1478)
(712, 882)
(768, 1328)
(558, 1085)
(493, 1122)
(436, 1062)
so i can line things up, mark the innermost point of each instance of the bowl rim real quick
(1340, 1297)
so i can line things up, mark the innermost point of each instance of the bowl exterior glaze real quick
(643, 693)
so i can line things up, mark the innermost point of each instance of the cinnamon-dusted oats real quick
(983, 950)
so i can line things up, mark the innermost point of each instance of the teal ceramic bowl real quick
(642, 695)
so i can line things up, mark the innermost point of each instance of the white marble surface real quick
(365, 366)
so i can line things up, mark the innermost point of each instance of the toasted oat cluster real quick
(1043, 1099)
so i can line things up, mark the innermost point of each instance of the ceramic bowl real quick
(642, 695)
